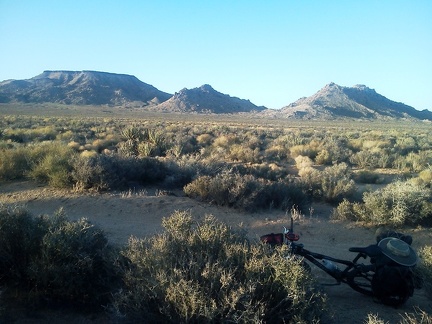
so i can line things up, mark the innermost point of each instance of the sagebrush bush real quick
(14, 163)
(51, 165)
(75, 264)
(205, 272)
(426, 176)
(332, 184)
(367, 177)
(54, 260)
(109, 172)
(345, 210)
(396, 204)
(425, 268)
(230, 188)
(20, 238)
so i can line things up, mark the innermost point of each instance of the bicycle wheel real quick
(360, 281)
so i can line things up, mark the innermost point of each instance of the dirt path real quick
(140, 213)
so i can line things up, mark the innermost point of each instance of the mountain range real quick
(101, 88)
(81, 88)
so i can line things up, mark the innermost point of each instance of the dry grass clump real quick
(206, 272)
(418, 317)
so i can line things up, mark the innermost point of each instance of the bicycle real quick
(360, 277)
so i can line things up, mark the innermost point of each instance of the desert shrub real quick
(345, 210)
(14, 163)
(246, 192)
(425, 268)
(367, 177)
(396, 204)
(264, 170)
(45, 259)
(419, 161)
(204, 139)
(206, 272)
(426, 176)
(366, 159)
(238, 152)
(105, 172)
(29, 134)
(336, 183)
(332, 184)
(405, 144)
(323, 157)
(418, 317)
(224, 189)
(304, 150)
(52, 165)
(75, 264)
(303, 162)
(20, 236)
(337, 148)
(182, 170)
(282, 194)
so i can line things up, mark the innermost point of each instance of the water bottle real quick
(329, 265)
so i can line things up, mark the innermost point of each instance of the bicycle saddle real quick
(372, 250)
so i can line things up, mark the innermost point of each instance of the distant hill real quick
(81, 88)
(102, 88)
(206, 100)
(335, 102)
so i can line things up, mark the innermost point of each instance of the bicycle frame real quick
(357, 276)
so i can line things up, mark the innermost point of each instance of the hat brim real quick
(408, 260)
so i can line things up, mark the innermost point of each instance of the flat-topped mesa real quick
(82, 88)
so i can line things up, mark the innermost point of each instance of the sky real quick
(271, 52)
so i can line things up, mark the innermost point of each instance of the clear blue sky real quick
(270, 52)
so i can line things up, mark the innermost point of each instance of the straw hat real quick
(398, 251)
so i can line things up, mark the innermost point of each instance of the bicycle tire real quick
(360, 281)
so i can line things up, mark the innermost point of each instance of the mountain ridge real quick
(205, 99)
(81, 88)
(359, 102)
(89, 87)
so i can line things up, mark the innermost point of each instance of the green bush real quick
(369, 177)
(425, 268)
(75, 264)
(346, 210)
(396, 204)
(14, 163)
(109, 172)
(246, 192)
(332, 184)
(52, 165)
(50, 259)
(206, 272)
(20, 239)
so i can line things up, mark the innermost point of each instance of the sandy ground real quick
(139, 213)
